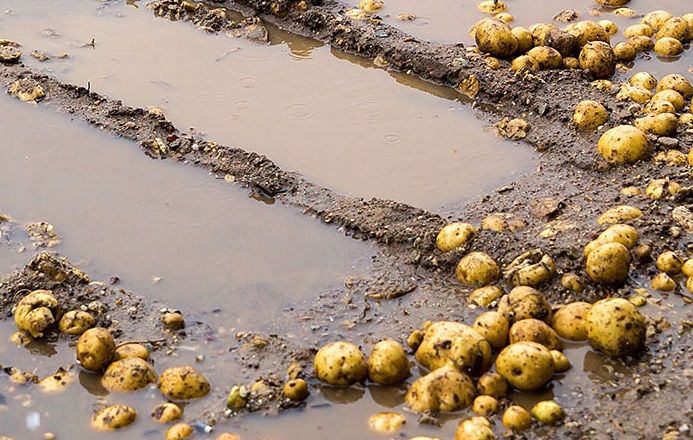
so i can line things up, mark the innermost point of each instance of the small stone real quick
(668, 142)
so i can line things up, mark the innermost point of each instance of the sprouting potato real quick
(524, 302)
(571, 63)
(76, 322)
(625, 52)
(340, 363)
(589, 115)
(452, 342)
(493, 327)
(569, 321)
(637, 94)
(477, 269)
(516, 418)
(128, 375)
(445, 389)
(619, 214)
(485, 405)
(492, 6)
(131, 350)
(58, 381)
(656, 19)
(534, 330)
(572, 282)
(669, 262)
(524, 39)
(673, 97)
(616, 327)
(179, 431)
(561, 362)
(386, 422)
(547, 57)
(638, 30)
(668, 47)
(525, 365)
(492, 384)
(495, 37)
(524, 63)
(599, 58)
(641, 43)
(454, 236)
(35, 313)
(676, 28)
(475, 428)
(484, 296)
(95, 349)
(587, 31)
(676, 82)
(388, 363)
(608, 263)
(113, 417)
(609, 26)
(663, 282)
(183, 383)
(296, 390)
(663, 124)
(643, 79)
(623, 144)
(167, 412)
(548, 412)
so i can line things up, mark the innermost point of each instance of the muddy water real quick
(347, 127)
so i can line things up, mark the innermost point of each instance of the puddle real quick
(346, 127)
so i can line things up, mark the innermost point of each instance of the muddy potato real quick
(561, 363)
(183, 383)
(609, 27)
(386, 422)
(95, 349)
(571, 63)
(608, 264)
(167, 412)
(296, 390)
(454, 235)
(619, 214)
(643, 79)
(659, 107)
(388, 363)
(689, 284)
(616, 328)
(504, 17)
(477, 269)
(485, 296)
(663, 124)
(493, 327)
(663, 283)
(548, 412)
(524, 63)
(492, 6)
(678, 83)
(524, 302)
(173, 320)
(623, 144)
(625, 52)
(627, 235)
(624, 12)
(637, 94)
(534, 330)
(569, 321)
(525, 365)
(686, 119)
(453, 342)
(58, 381)
(572, 282)
(641, 43)
(76, 322)
(524, 39)
(131, 350)
(476, 428)
(113, 417)
(516, 418)
(589, 115)
(668, 47)
(179, 431)
(673, 97)
(587, 31)
(445, 389)
(229, 436)
(669, 262)
(613, 3)
(676, 28)
(128, 375)
(598, 57)
(656, 19)
(492, 384)
(496, 38)
(638, 30)
(546, 57)
(687, 268)
(485, 405)
(340, 363)
(35, 313)
(415, 339)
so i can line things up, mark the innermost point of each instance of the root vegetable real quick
(445, 389)
(476, 428)
(669, 262)
(183, 383)
(516, 418)
(546, 57)
(493, 327)
(663, 282)
(623, 144)
(454, 236)
(113, 417)
(548, 412)
(35, 313)
(496, 38)
(561, 362)
(569, 321)
(678, 83)
(167, 412)
(663, 124)
(95, 349)
(477, 269)
(616, 327)
(447, 342)
(128, 375)
(534, 330)
(525, 365)
(340, 363)
(296, 390)
(131, 350)
(523, 303)
(668, 47)
(619, 214)
(572, 282)
(179, 431)
(485, 405)
(589, 115)
(656, 19)
(386, 422)
(76, 322)
(484, 296)
(643, 79)
(492, 384)
(587, 31)
(609, 263)
(388, 363)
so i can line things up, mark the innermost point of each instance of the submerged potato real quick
(638, 30)
(476, 428)
(492, 384)
(616, 328)
(35, 313)
(477, 269)
(388, 363)
(623, 144)
(668, 47)
(548, 412)
(492, 6)
(525, 365)
(641, 43)
(445, 389)
(76, 322)
(534, 330)
(447, 342)
(386, 422)
(179, 431)
(625, 52)
(493, 327)
(167, 412)
(608, 264)
(95, 349)
(113, 417)
(524, 302)
(340, 363)
(131, 350)
(454, 236)
(589, 115)
(516, 418)
(599, 58)
(570, 320)
(296, 390)
(183, 383)
(496, 38)
(57, 382)
(128, 375)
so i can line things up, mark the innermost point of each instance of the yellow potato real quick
(525, 302)
(492, 384)
(386, 422)
(57, 382)
(76, 322)
(587, 31)
(572, 282)
(504, 17)
(663, 282)
(659, 107)
(609, 264)
(485, 405)
(613, 3)
(625, 12)
(548, 412)
(95, 349)
(113, 417)
(689, 284)
(561, 362)
(525, 365)
(687, 268)
(546, 57)
(476, 428)
(637, 94)
(131, 350)
(524, 63)
(656, 19)
(183, 383)
(516, 418)
(415, 339)
(173, 320)
(296, 390)
(670, 263)
(370, 6)
(484, 296)
(495, 37)
(643, 79)
(35, 313)
(673, 97)
(678, 83)
(599, 58)
(668, 47)
(128, 375)
(589, 115)
(179, 431)
(625, 52)
(641, 43)
(388, 363)
(524, 39)
(534, 330)
(676, 28)
(569, 321)
(492, 6)
(340, 363)
(638, 30)
(454, 236)
(448, 342)
(477, 269)
(616, 327)
(571, 63)
(659, 188)
(663, 124)
(167, 412)
(609, 26)
(619, 214)
(623, 144)
(493, 327)
(445, 389)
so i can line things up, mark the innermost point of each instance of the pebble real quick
(668, 142)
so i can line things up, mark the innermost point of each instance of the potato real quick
(637, 94)
(534, 330)
(516, 418)
(454, 236)
(678, 83)
(689, 284)
(663, 124)
(613, 3)
(340, 363)
(608, 264)
(546, 57)
(616, 328)
(524, 302)
(659, 107)
(669, 262)
(609, 27)
(589, 115)
(484, 296)
(113, 417)
(625, 52)
(95, 349)
(477, 269)
(386, 422)
(57, 382)
(618, 233)
(587, 31)
(686, 119)
(445, 389)
(599, 58)
(492, 6)
(524, 63)
(623, 144)
(504, 17)
(569, 321)
(619, 214)
(673, 97)
(676, 28)
(229, 436)
(495, 37)
(167, 412)
(237, 398)
(571, 63)
(643, 79)
(668, 47)
(656, 19)
(370, 6)
(131, 350)
(183, 383)
(548, 412)
(527, 366)
(448, 342)
(492, 384)
(173, 320)
(659, 188)
(35, 313)
(485, 405)
(561, 363)
(663, 282)
(641, 43)
(548, 34)
(638, 30)
(493, 327)
(572, 282)
(624, 12)
(76, 322)
(687, 268)
(388, 363)
(415, 339)
(128, 375)
(476, 428)
(179, 431)
(296, 390)
(524, 39)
